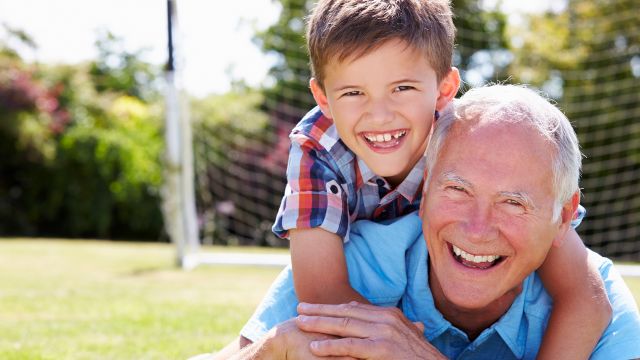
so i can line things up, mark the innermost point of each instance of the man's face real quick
(488, 212)
(383, 106)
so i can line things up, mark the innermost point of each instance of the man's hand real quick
(365, 332)
(285, 341)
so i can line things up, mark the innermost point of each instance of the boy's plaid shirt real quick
(329, 187)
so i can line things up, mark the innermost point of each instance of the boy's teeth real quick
(384, 137)
(474, 258)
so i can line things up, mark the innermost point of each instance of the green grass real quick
(107, 300)
(114, 300)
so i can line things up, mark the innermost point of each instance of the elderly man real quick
(502, 186)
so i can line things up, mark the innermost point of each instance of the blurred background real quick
(90, 117)
(82, 108)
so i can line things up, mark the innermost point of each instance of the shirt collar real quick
(509, 326)
(419, 305)
(410, 188)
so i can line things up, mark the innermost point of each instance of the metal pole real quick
(179, 194)
(171, 194)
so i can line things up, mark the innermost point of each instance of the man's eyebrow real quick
(451, 176)
(522, 197)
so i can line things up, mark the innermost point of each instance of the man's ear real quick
(320, 97)
(424, 193)
(566, 216)
(448, 88)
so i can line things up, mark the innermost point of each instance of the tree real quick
(587, 56)
(77, 162)
(123, 71)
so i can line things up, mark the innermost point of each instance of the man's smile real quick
(481, 262)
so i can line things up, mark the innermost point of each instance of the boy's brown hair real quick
(342, 29)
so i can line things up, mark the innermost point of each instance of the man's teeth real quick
(385, 137)
(474, 258)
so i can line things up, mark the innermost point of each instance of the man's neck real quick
(471, 321)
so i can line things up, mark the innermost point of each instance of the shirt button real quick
(380, 182)
(334, 189)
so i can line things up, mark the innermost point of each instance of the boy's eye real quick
(403, 88)
(352, 93)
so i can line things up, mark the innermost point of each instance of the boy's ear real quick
(448, 88)
(320, 97)
(566, 216)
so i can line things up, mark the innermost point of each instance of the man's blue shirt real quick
(395, 273)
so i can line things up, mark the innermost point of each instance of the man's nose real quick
(480, 225)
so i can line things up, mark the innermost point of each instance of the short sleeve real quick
(621, 338)
(314, 196)
(577, 219)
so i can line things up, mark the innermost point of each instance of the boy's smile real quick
(383, 105)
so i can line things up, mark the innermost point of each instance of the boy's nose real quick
(380, 112)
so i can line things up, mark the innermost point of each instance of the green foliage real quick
(226, 123)
(481, 53)
(584, 57)
(81, 163)
(291, 72)
(117, 167)
(122, 71)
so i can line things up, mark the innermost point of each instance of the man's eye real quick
(514, 202)
(456, 188)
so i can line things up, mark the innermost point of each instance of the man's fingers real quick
(338, 326)
(353, 309)
(346, 348)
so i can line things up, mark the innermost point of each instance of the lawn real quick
(108, 300)
(116, 300)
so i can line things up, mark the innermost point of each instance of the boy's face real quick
(383, 105)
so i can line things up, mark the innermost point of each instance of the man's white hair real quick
(516, 104)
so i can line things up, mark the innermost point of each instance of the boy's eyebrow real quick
(407, 80)
(344, 87)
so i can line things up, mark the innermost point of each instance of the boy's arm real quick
(581, 309)
(319, 268)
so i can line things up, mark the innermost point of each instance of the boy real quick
(381, 73)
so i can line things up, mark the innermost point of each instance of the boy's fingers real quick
(419, 325)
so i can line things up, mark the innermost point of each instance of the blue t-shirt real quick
(394, 273)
